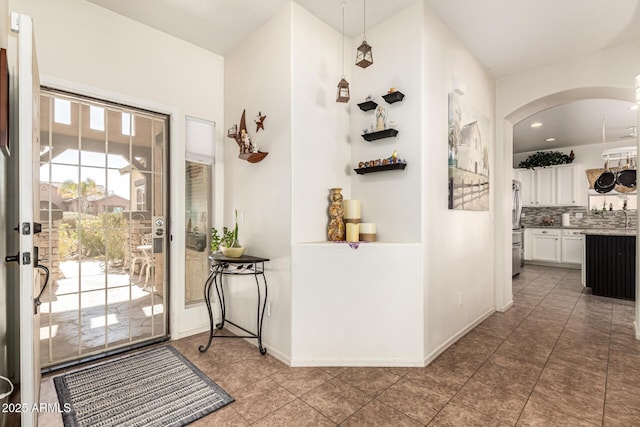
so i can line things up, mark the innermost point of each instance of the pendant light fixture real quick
(343, 84)
(364, 57)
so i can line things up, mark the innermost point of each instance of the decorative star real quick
(259, 121)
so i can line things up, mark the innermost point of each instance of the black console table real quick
(242, 266)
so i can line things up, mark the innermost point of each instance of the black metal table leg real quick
(260, 317)
(207, 300)
(221, 301)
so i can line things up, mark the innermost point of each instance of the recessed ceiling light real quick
(536, 124)
(633, 107)
(550, 139)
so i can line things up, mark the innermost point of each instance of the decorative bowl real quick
(232, 252)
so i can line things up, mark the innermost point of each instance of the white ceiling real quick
(506, 36)
(510, 36)
(576, 123)
(220, 25)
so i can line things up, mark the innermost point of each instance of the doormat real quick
(158, 387)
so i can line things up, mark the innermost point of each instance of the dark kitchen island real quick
(610, 262)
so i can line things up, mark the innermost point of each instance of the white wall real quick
(391, 199)
(458, 257)
(89, 49)
(258, 78)
(320, 141)
(355, 307)
(518, 95)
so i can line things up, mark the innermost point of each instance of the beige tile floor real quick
(559, 356)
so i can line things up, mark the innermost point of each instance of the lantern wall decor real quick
(343, 91)
(343, 84)
(364, 57)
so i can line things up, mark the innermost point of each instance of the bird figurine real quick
(571, 156)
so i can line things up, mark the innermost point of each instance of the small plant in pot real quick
(227, 242)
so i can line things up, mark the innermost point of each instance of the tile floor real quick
(559, 356)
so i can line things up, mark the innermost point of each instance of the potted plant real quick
(227, 242)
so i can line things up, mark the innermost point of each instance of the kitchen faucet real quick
(626, 217)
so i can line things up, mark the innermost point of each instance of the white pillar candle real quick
(353, 232)
(351, 209)
(368, 232)
(367, 228)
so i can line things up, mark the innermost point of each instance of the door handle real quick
(13, 258)
(36, 300)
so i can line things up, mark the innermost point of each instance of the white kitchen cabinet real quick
(545, 186)
(546, 245)
(528, 244)
(567, 191)
(554, 245)
(552, 186)
(572, 247)
(527, 189)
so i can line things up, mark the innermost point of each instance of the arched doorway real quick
(504, 128)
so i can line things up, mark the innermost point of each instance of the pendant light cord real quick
(343, 2)
(364, 21)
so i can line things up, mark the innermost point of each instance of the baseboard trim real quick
(448, 343)
(554, 264)
(190, 332)
(278, 354)
(506, 307)
(386, 363)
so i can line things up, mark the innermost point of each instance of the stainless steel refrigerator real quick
(517, 243)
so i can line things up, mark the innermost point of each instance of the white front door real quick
(25, 125)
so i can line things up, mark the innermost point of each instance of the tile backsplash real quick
(533, 217)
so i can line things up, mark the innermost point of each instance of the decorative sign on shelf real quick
(248, 150)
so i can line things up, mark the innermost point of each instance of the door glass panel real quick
(159, 131)
(93, 321)
(198, 203)
(119, 305)
(102, 181)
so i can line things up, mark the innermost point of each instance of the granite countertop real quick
(594, 231)
(610, 232)
(556, 227)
